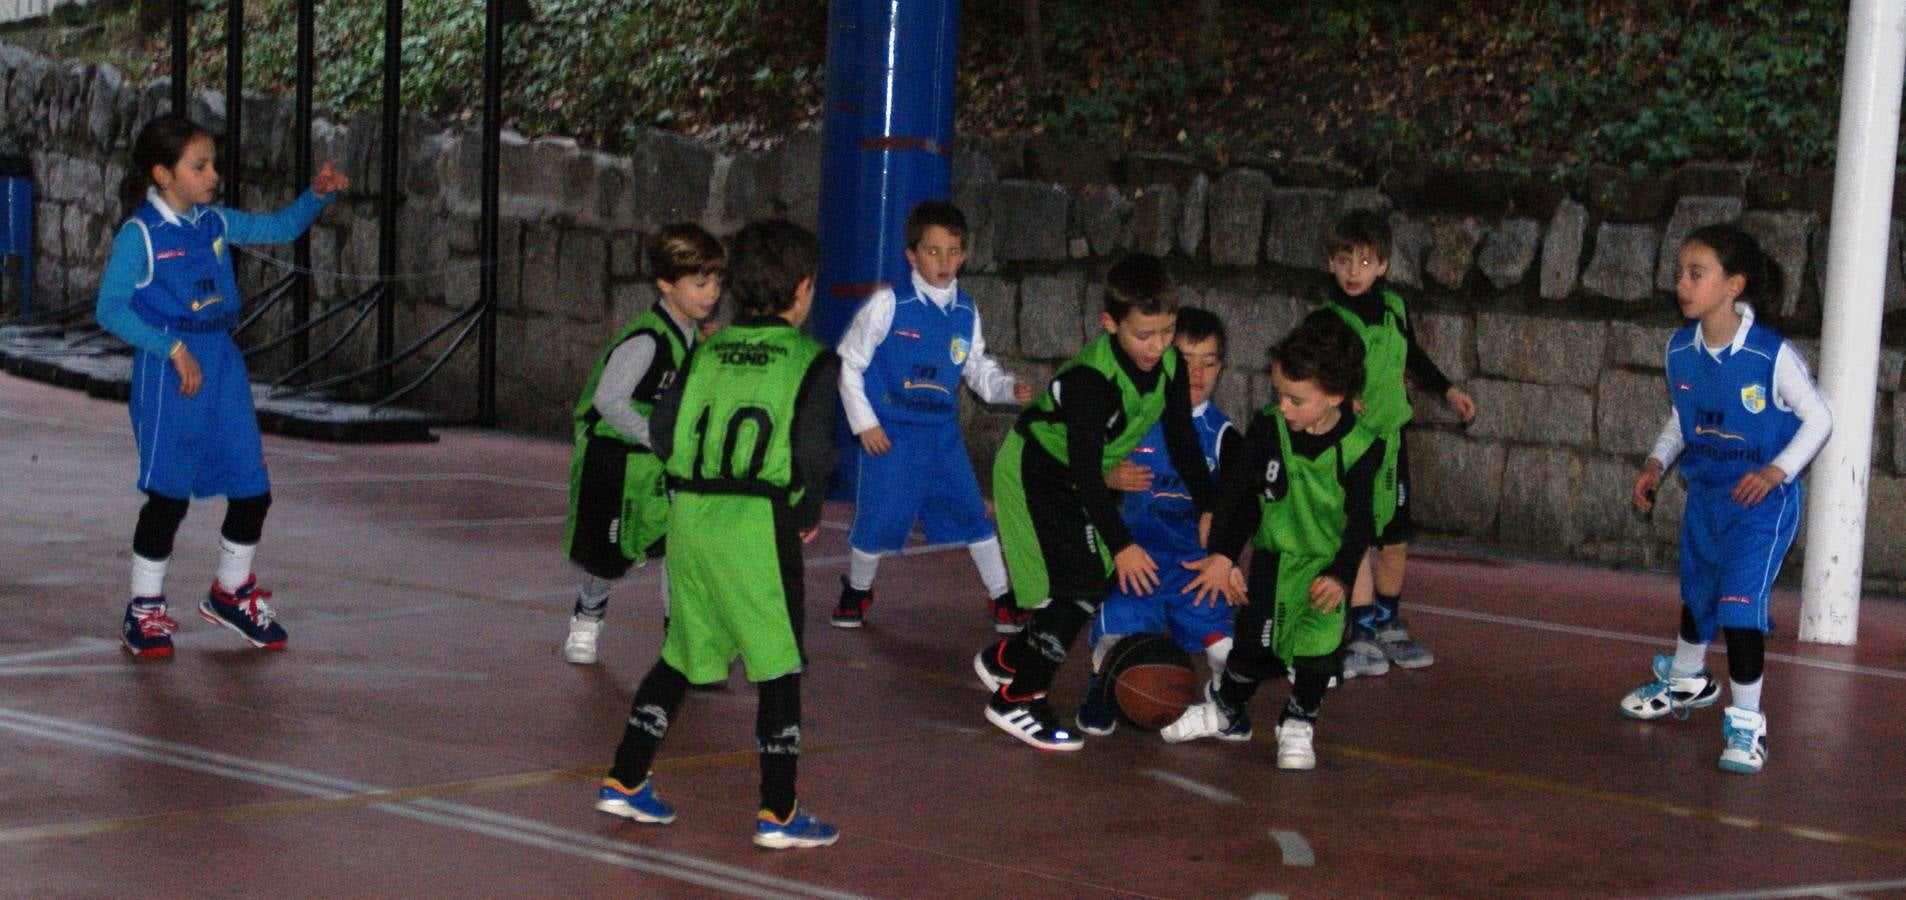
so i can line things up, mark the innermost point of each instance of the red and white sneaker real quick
(147, 631)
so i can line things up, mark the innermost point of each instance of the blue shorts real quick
(925, 477)
(1730, 555)
(205, 445)
(1165, 611)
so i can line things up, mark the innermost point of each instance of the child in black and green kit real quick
(1300, 494)
(747, 439)
(1065, 539)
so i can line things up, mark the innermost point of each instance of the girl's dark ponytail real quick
(160, 143)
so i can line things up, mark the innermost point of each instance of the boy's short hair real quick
(767, 261)
(1138, 282)
(1359, 228)
(928, 213)
(1322, 348)
(1196, 323)
(684, 249)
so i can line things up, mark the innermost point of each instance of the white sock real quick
(148, 577)
(1216, 653)
(1745, 696)
(234, 563)
(992, 566)
(861, 569)
(1689, 659)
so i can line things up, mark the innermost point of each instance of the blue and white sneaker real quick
(147, 631)
(1746, 734)
(244, 611)
(1095, 717)
(638, 803)
(1031, 720)
(800, 830)
(1668, 694)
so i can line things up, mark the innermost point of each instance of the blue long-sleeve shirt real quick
(130, 264)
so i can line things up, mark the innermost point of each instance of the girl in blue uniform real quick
(1746, 419)
(168, 290)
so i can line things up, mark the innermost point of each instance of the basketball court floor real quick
(422, 737)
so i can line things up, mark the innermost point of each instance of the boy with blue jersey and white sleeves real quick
(1746, 419)
(902, 361)
(1158, 509)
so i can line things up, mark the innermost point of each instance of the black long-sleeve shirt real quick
(1090, 407)
(811, 443)
(1239, 511)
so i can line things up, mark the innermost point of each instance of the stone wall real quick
(1552, 311)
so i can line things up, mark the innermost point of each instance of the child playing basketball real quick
(1745, 420)
(747, 437)
(1163, 520)
(618, 503)
(1301, 495)
(1059, 523)
(902, 361)
(1357, 249)
(169, 291)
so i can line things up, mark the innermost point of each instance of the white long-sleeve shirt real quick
(624, 370)
(1793, 392)
(981, 371)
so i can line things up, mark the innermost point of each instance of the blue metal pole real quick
(887, 142)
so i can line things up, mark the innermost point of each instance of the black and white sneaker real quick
(1031, 721)
(990, 665)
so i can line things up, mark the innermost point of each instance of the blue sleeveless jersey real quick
(191, 288)
(914, 377)
(1163, 520)
(1728, 418)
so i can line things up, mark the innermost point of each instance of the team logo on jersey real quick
(1754, 397)
(218, 248)
(959, 349)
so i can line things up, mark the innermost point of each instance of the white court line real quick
(1650, 640)
(421, 477)
(529, 832)
(1215, 795)
(1842, 889)
(1296, 850)
(84, 669)
(79, 647)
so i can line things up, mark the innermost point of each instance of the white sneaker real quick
(1746, 733)
(1668, 694)
(1294, 749)
(580, 648)
(1362, 657)
(1199, 720)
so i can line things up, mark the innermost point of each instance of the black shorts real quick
(1401, 528)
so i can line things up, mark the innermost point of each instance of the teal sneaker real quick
(800, 830)
(638, 803)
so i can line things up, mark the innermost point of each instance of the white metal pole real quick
(1850, 324)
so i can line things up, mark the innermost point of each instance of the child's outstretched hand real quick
(1463, 404)
(1326, 593)
(188, 366)
(329, 180)
(1754, 486)
(1217, 577)
(1129, 476)
(875, 441)
(1645, 485)
(1022, 392)
(1137, 573)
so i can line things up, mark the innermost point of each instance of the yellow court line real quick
(1631, 801)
